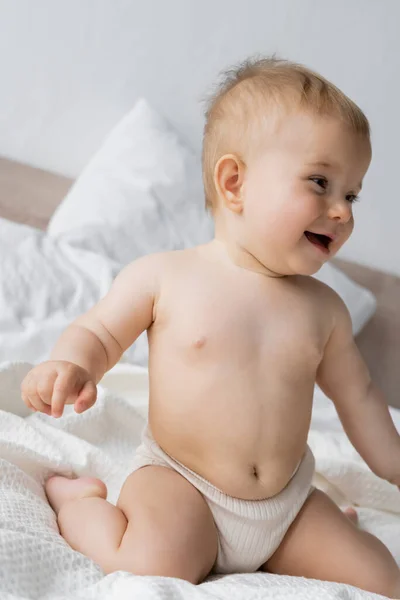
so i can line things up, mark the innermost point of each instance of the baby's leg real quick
(322, 543)
(160, 526)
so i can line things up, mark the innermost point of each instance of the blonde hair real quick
(249, 93)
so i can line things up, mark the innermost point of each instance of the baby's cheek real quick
(350, 225)
(260, 224)
(348, 230)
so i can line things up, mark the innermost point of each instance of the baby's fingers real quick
(45, 387)
(31, 396)
(63, 389)
(87, 397)
(34, 402)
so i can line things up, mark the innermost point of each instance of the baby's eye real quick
(322, 182)
(352, 198)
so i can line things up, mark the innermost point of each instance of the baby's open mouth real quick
(318, 239)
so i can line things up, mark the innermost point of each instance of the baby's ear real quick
(228, 180)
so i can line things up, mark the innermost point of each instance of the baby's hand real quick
(50, 385)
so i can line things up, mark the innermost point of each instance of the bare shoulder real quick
(325, 299)
(318, 290)
(151, 269)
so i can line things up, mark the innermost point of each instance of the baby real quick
(238, 334)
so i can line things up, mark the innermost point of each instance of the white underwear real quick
(249, 531)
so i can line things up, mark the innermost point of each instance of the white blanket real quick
(35, 561)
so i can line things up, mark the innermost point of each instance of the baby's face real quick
(303, 183)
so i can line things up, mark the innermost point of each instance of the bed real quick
(35, 562)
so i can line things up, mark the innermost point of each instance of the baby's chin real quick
(294, 263)
(309, 272)
(294, 267)
(306, 267)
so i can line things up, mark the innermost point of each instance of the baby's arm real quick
(361, 406)
(94, 342)
(97, 339)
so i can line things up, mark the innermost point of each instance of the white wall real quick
(70, 69)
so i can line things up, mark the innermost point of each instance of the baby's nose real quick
(340, 210)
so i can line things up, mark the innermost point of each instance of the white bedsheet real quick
(35, 562)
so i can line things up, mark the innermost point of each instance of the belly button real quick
(255, 472)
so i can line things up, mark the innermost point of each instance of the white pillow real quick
(142, 192)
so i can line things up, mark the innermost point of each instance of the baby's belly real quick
(247, 439)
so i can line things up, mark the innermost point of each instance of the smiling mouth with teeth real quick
(319, 240)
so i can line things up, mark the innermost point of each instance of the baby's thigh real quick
(171, 531)
(322, 543)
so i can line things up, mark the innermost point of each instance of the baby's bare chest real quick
(244, 327)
